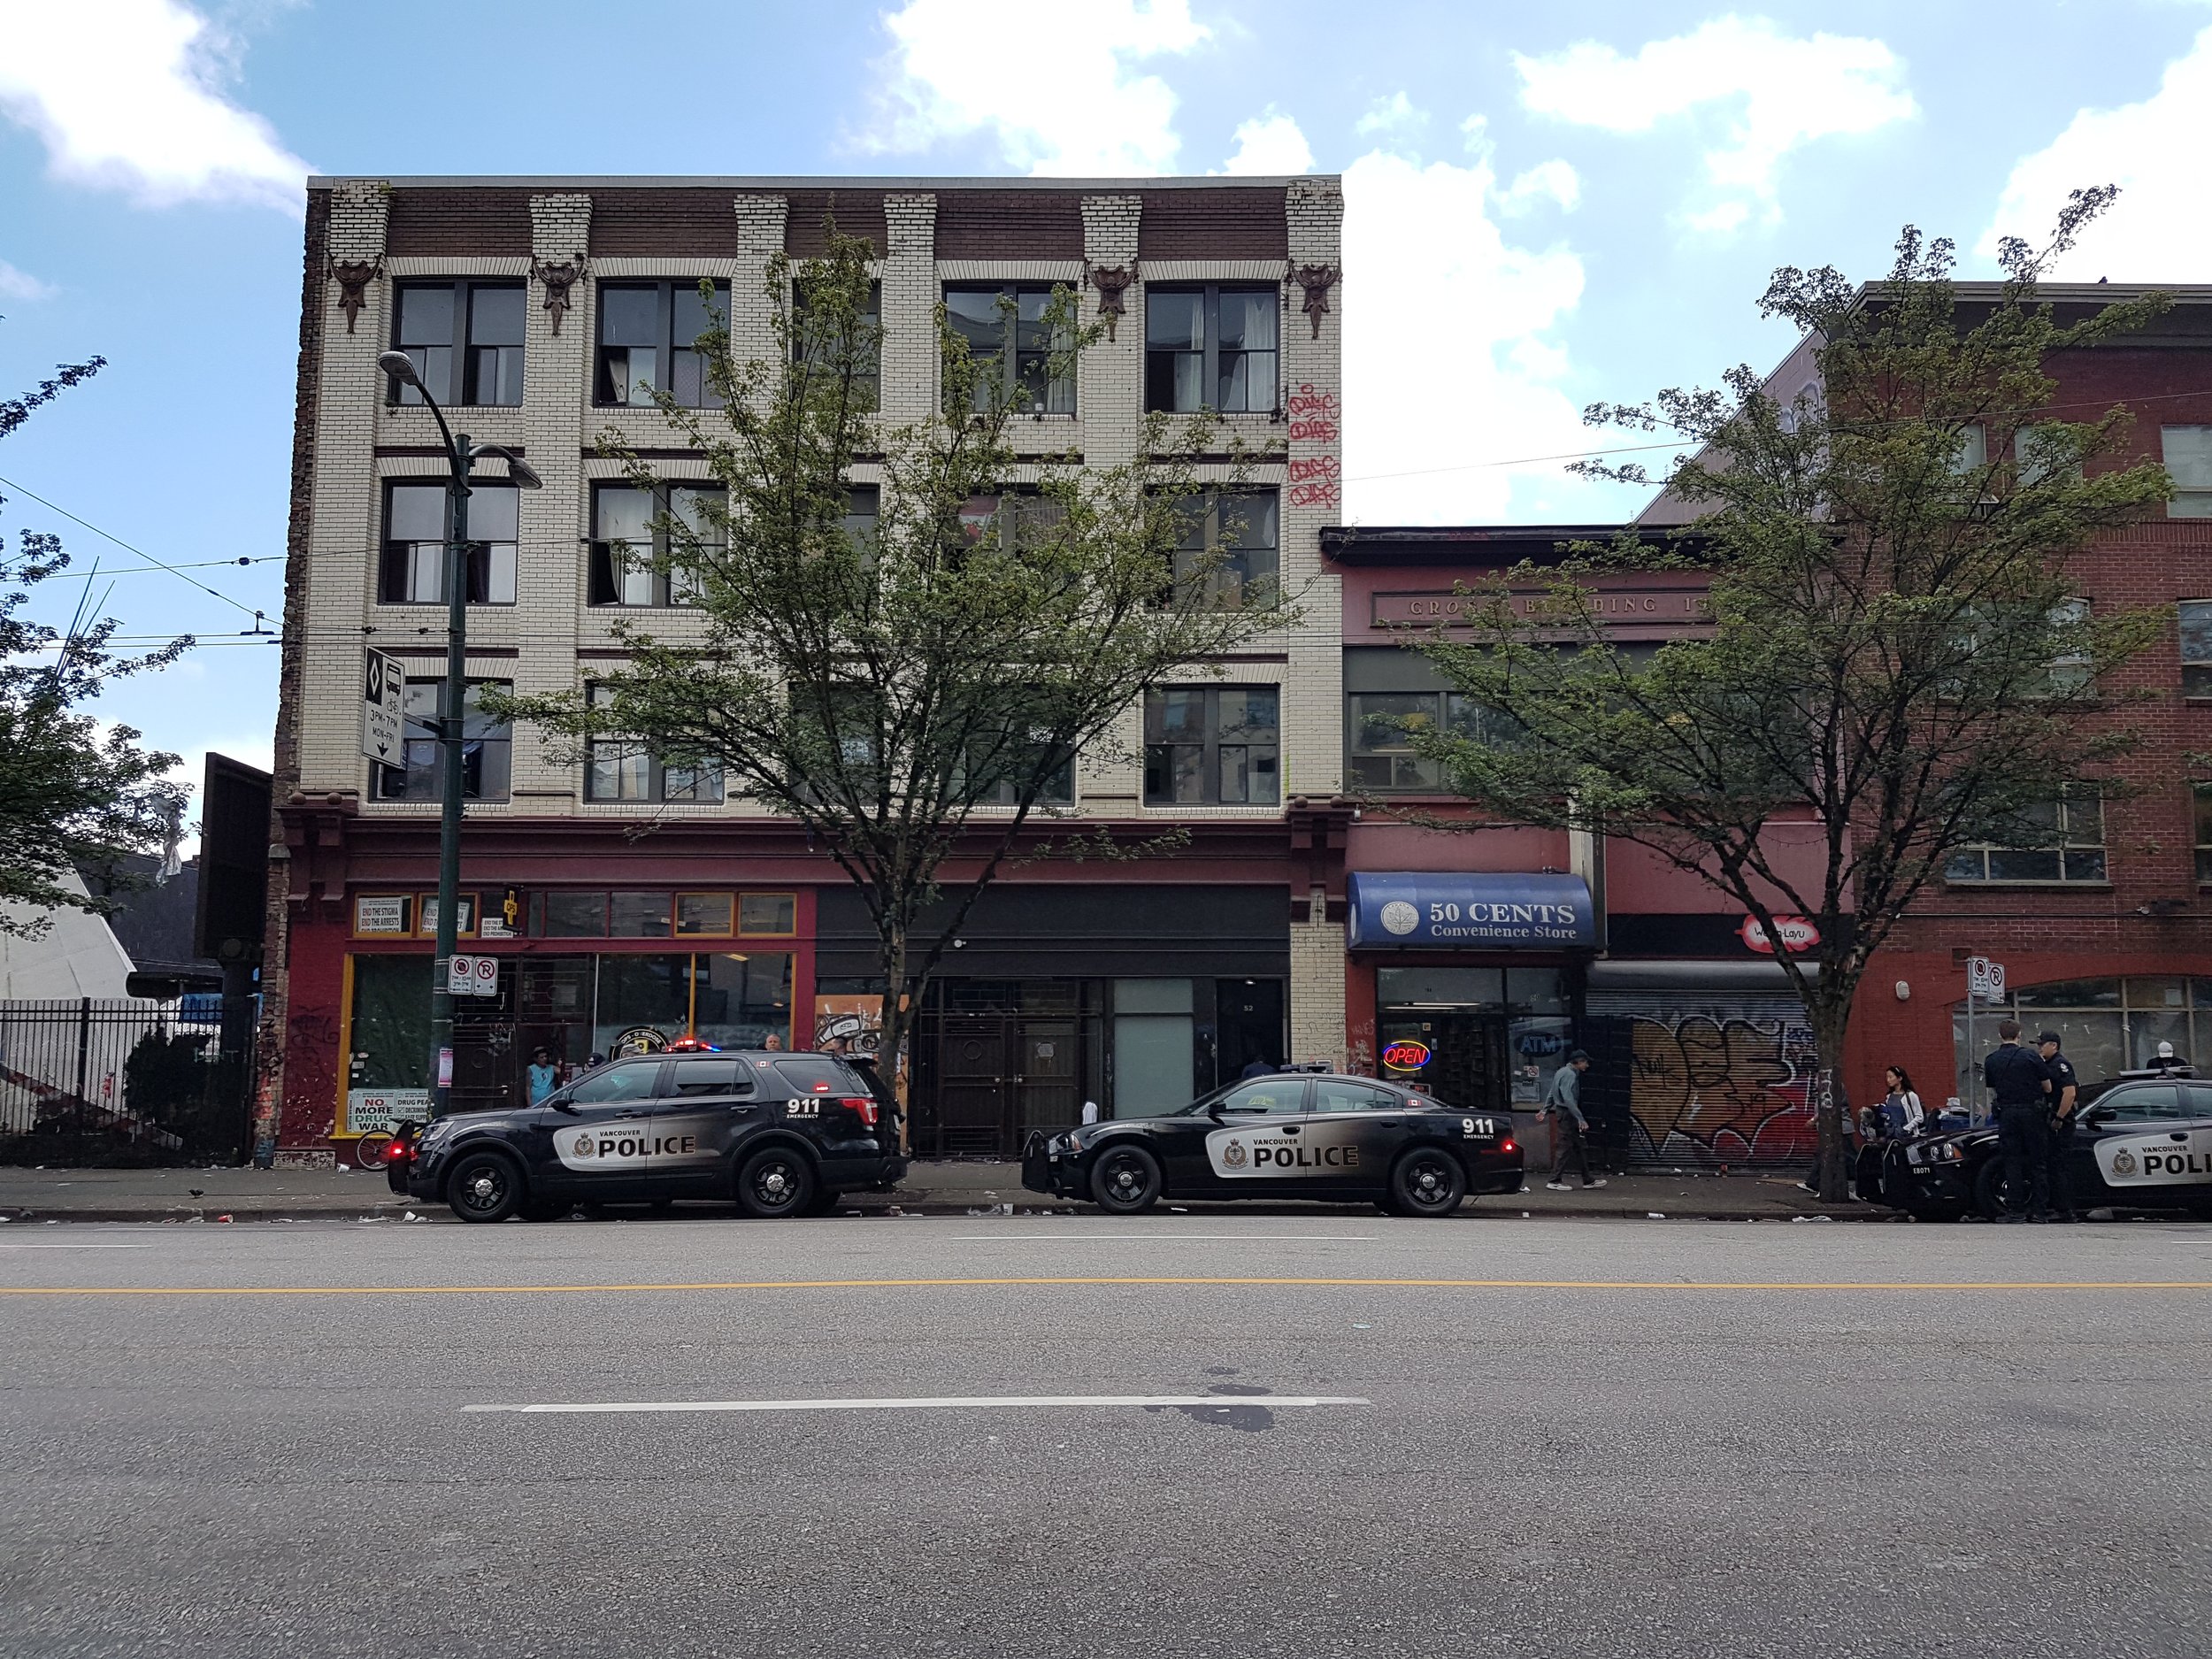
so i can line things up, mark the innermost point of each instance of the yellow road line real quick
(932, 1284)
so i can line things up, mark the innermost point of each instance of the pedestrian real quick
(772, 1043)
(1562, 1104)
(2065, 1094)
(1902, 1114)
(545, 1077)
(2018, 1079)
(1259, 1065)
(2166, 1063)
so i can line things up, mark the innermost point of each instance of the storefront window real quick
(638, 915)
(741, 999)
(2107, 1026)
(703, 913)
(1474, 1037)
(767, 913)
(390, 1033)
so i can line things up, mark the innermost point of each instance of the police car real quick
(1287, 1135)
(2141, 1143)
(780, 1133)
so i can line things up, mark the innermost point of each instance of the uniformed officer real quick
(2065, 1088)
(2016, 1077)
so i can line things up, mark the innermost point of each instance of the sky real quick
(1545, 207)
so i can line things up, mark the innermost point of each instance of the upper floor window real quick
(1006, 327)
(1005, 767)
(622, 769)
(2043, 451)
(2196, 647)
(1391, 696)
(648, 343)
(868, 372)
(2200, 796)
(632, 541)
(1971, 453)
(1229, 541)
(1212, 746)
(473, 327)
(414, 544)
(486, 748)
(1020, 517)
(2188, 456)
(2067, 845)
(1210, 348)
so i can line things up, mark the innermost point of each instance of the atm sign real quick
(1408, 1056)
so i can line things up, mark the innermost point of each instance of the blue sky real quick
(1548, 206)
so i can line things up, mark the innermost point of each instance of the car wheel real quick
(775, 1184)
(1125, 1181)
(1428, 1182)
(1992, 1193)
(485, 1187)
(825, 1202)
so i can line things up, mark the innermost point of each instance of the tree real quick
(69, 794)
(913, 689)
(1899, 658)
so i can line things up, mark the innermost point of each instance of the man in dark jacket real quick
(2018, 1078)
(1563, 1105)
(2065, 1092)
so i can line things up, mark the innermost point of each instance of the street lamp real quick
(461, 456)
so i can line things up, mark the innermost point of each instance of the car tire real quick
(825, 1202)
(1991, 1193)
(547, 1209)
(485, 1187)
(775, 1183)
(1125, 1181)
(1427, 1184)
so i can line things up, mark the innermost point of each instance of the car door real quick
(2147, 1144)
(602, 1129)
(1354, 1132)
(1255, 1144)
(701, 1110)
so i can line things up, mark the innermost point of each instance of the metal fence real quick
(126, 1081)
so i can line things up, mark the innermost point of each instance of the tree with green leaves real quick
(1900, 664)
(915, 688)
(71, 796)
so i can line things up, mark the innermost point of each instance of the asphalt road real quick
(1627, 1439)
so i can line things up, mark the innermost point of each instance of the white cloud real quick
(1392, 114)
(1776, 94)
(1068, 102)
(1449, 352)
(1554, 181)
(2153, 151)
(1270, 143)
(21, 285)
(126, 95)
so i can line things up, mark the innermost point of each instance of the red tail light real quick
(864, 1104)
(1508, 1145)
(399, 1152)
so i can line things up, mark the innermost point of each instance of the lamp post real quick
(461, 457)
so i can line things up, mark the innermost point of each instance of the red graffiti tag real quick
(1315, 466)
(1316, 495)
(1307, 401)
(1313, 432)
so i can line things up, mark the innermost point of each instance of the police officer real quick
(2065, 1092)
(2018, 1078)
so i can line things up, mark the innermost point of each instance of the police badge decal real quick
(2123, 1161)
(1233, 1154)
(580, 1146)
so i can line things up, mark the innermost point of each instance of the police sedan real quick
(1287, 1135)
(779, 1133)
(2141, 1144)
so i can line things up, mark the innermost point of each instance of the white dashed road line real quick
(934, 1402)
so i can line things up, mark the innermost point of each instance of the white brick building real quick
(524, 300)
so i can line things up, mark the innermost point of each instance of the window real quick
(1013, 762)
(2068, 839)
(621, 769)
(638, 915)
(556, 914)
(633, 540)
(1017, 518)
(768, 913)
(2188, 456)
(476, 325)
(414, 544)
(1333, 1094)
(710, 1076)
(2072, 668)
(2041, 452)
(1006, 327)
(485, 748)
(624, 1081)
(1212, 745)
(2150, 1103)
(1277, 1096)
(1229, 543)
(647, 335)
(1972, 451)
(1211, 348)
(2202, 796)
(868, 372)
(1389, 694)
(706, 914)
(2196, 648)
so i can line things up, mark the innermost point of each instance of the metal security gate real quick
(126, 1081)
(997, 1059)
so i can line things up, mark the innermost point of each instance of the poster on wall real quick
(852, 1024)
(372, 1111)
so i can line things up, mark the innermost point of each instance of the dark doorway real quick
(1249, 1014)
(998, 1058)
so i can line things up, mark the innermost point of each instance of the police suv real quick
(782, 1134)
(1290, 1134)
(2142, 1143)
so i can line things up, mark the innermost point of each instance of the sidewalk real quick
(929, 1190)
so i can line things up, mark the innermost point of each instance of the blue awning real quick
(1424, 910)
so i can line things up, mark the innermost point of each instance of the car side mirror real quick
(559, 1103)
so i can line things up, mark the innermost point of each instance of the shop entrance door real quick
(999, 1059)
(971, 1084)
(1465, 1063)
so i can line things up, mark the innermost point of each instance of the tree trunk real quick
(1833, 1096)
(893, 1015)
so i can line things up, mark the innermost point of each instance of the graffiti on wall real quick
(1721, 1087)
(1314, 415)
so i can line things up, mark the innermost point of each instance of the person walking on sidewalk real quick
(1562, 1104)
